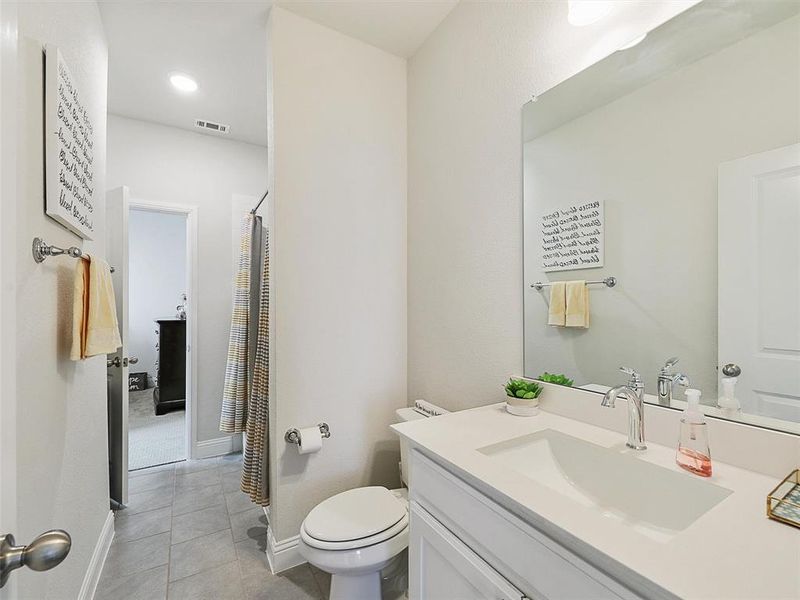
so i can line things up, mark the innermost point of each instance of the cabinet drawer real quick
(441, 567)
(541, 568)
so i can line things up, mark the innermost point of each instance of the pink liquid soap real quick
(694, 462)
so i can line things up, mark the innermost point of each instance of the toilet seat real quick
(356, 518)
(396, 529)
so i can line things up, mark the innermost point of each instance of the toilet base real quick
(356, 587)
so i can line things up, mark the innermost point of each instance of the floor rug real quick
(153, 440)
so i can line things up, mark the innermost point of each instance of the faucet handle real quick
(681, 380)
(667, 368)
(635, 378)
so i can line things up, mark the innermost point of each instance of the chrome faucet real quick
(634, 392)
(667, 380)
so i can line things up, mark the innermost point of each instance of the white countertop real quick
(731, 551)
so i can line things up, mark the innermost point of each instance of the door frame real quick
(192, 309)
(8, 276)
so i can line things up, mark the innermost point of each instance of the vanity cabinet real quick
(444, 567)
(462, 543)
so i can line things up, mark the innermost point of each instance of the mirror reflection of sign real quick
(572, 237)
(69, 150)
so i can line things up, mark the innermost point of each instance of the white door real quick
(759, 279)
(8, 259)
(442, 567)
(46, 550)
(117, 252)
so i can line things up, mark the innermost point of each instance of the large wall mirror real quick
(673, 167)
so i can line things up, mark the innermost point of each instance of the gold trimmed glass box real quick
(783, 503)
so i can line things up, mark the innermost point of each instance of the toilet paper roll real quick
(310, 440)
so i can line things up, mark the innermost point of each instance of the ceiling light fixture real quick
(182, 82)
(634, 42)
(585, 12)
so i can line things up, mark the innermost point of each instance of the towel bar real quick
(42, 250)
(608, 282)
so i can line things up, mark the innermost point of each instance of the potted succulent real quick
(559, 379)
(522, 397)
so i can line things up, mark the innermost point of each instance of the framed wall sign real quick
(573, 237)
(69, 149)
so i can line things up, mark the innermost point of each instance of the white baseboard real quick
(218, 446)
(283, 554)
(98, 560)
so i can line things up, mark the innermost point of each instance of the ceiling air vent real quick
(211, 126)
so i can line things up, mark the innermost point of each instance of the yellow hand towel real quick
(577, 313)
(94, 323)
(556, 315)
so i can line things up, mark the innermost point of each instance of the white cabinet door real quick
(759, 279)
(443, 568)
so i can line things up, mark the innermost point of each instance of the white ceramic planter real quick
(521, 407)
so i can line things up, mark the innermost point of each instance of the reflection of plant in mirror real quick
(522, 388)
(559, 379)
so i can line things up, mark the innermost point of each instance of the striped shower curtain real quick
(255, 470)
(245, 400)
(235, 390)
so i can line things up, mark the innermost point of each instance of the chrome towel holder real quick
(293, 435)
(608, 282)
(41, 250)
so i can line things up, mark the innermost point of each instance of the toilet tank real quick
(420, 410)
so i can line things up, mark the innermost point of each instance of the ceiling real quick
(222, 45)
(397, 26)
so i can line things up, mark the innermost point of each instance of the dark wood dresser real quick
(170, 392)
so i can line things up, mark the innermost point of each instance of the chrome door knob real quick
(731, 370)
(124, 362)
(43, 553)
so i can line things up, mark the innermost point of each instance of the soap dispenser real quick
(693, 452)
(728, 401)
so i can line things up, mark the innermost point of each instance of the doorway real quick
(152, 378)
(157, 319)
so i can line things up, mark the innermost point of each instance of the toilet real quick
(357, 534)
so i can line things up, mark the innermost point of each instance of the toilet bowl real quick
(354, 536)
(358, 533)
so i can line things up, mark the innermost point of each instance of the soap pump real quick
(728, 401)
(693, 452)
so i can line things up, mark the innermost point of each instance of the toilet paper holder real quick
(293, 435)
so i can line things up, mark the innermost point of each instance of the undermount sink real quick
(613, 481)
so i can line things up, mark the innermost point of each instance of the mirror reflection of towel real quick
(94, 320)
(556, 315)
(577, 298)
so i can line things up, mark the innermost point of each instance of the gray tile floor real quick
(189, 533)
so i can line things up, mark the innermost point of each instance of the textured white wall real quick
(661, 228)
(166, 164)
(157, 278)
(466, 86)
(338, 261)
(62, 443)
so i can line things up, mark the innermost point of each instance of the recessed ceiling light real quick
(586, 12)
(633, 42)
(182, 82)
